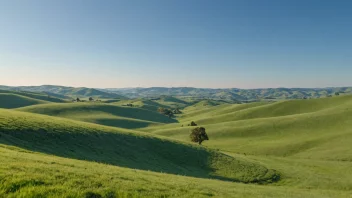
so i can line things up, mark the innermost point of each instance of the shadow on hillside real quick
(39, 96)
(133, 151)
(137, 113)
(129, 151)
(127, 112)
(153, 105)
(173, 99)
(121, 123)
(11, 101)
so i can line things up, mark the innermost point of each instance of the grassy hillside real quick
(310, 129)
(100, 113)
(25, 173)
(192, 112)
(307, 173)
(88, 92)
(297, 148)
(9, 101)
(142, 103)
(257, 110)
(80, 140)
(154, 103)
(202, 105)
(39, 96)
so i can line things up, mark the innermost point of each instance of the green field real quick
(10, 101)
(49, 97)
(290, 148)
(101, 113)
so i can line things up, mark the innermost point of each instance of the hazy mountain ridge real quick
(64, 92)
(229, 94)
(233, 93)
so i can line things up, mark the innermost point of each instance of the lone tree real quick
(337, 93)
(91, 99)
(78, 100)
(198, 135)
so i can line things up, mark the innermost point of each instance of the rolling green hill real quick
(296, 148)
(283, 108)
(10, 101)
(30, 174)
(100, 113)
(124, 148)
(142, 103)
(89, 92)
(310, 129)
(154, 103)
(214, 110)
(39, 96)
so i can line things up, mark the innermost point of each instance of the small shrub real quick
(92, 195)
(165, 111)
(193, 124)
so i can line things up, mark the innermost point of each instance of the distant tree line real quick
(80, 100)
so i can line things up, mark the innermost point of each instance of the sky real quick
(176, 43)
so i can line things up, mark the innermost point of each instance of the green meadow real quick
(53, 147)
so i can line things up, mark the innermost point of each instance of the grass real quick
(142, 103)
(192, 112)
(153, 104)
(49, 97)
(10, 101)
(29, 174)
(321, 132)
(265, 110)
(101, 113)
(307, 173)
(295, 148)
(124, 148)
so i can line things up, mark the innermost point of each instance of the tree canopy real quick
(165, 111)
(198, 135)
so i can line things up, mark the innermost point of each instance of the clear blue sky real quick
(197, 43)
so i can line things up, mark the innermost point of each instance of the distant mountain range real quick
(66, 92)
(232, 94)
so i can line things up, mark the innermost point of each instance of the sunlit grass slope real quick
(307, 173)
(259, 110)
(153, 104)
(320, 130)
(85, 141)
(39, 96)
(28, 174)
(9, 101)
(142, 103)
(104, 114)
(192, 112)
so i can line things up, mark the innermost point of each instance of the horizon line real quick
(178, 87)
